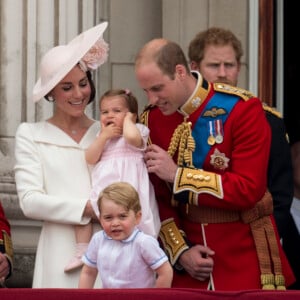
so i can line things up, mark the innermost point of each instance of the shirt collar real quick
(132, 236)
(199, 95)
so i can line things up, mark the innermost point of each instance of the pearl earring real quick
(50, 99)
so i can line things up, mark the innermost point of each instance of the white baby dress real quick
(123, 162)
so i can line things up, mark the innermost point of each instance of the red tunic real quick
(244, 153)
(5, 237)
(4, 224)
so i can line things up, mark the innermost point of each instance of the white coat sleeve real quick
(31, 181)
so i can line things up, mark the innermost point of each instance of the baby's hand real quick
(131, 116)
(111, 131)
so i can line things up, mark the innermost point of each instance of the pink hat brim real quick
(62, 59)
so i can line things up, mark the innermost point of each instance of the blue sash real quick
(201, 129)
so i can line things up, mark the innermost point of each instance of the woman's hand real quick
(89, 211)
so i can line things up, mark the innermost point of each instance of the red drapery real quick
(142, 294)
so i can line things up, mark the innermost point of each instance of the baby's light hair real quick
(131, 101)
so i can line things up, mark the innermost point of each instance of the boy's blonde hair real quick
(121, 193)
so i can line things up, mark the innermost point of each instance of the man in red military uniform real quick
(6, 253)
(208, 162)
(216, 53)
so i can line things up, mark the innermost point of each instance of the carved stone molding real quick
(22, 269)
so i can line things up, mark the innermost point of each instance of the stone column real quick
(28, 30)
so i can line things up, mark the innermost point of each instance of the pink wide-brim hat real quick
(60, 60)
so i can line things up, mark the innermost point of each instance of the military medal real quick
(219, 132)
(211, 139)
(219, 139)
(219, 160)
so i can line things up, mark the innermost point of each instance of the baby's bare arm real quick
(130, 131)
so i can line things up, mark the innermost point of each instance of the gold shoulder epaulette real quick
(144, 119)
(272, 110)
(276, 113)
(144, 115)
(233, 90)
(148, 107)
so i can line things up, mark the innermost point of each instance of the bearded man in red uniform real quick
(6, 252)
(207, 159)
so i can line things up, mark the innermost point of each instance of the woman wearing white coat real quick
(52, 177)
